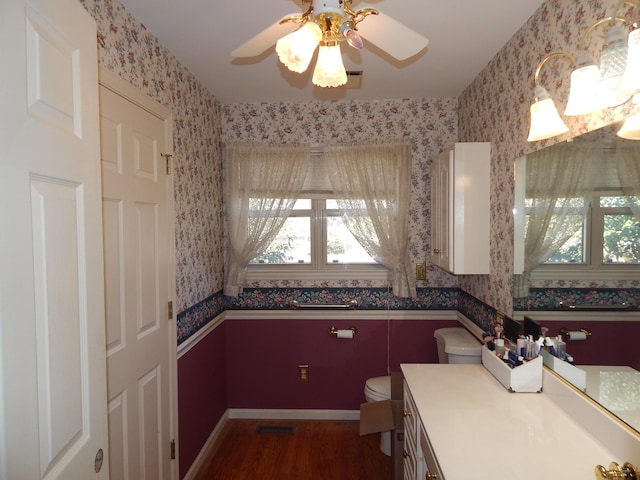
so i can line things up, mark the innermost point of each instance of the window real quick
(314, 235)
(607, 237)
(338, 213)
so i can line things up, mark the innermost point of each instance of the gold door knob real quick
(406, 413)
(436, 251)
(431, 476)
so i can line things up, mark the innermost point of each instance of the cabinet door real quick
(441, 190)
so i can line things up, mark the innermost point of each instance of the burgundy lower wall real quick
(263, 356)
(201, 394)
(611, 343)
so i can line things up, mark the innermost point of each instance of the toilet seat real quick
(377, 389)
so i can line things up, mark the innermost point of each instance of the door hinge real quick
(173, 449)
(167, 159)
(170, 310)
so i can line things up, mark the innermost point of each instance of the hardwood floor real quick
(312, 450)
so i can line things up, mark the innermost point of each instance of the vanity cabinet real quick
(419, 460)
(460, 190)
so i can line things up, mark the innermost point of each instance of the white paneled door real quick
(53, 420)
(138, 239)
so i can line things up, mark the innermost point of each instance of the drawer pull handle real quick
(431, 476)
(406, 413)
(406, 454)
(436, 251)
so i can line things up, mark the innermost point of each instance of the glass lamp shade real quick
(630, 128)
(631, 79)
(583, 94)
(329, 70)
(612, 66)
(296, 49)
(545, 119)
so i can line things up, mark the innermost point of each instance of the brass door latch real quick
(626, 472)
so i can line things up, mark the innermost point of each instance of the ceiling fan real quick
(325, 24)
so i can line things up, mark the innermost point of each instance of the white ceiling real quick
(463, 35)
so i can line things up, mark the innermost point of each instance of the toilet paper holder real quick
(334, 331)
(566, 334)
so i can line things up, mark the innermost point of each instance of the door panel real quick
(137, 250)
(53, 418)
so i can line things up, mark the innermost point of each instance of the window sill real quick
(373, 272)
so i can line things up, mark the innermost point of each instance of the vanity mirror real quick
(582, 274)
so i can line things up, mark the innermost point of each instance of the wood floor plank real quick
(316, 450)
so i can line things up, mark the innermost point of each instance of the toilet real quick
(455, 345)
(375, 390)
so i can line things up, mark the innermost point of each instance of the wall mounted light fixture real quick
(545, 119)
(594, 86)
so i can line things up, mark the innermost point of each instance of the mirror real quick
(615, 387)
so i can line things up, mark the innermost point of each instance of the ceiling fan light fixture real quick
(329, 71)
(353, 38)
(295, 50)
(545, 119)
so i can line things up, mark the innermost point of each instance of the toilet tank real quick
(457, 345)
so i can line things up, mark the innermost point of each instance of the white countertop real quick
(479, 430)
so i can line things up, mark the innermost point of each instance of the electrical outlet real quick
(303, 373)
(421, 271)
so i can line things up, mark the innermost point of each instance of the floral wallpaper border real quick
(194, 318)
(367, 298)
(551, 298)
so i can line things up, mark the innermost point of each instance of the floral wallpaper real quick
(495, 108)
(430, 125)
(127, 48)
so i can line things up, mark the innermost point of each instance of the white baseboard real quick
(293, 414)
(206, 448)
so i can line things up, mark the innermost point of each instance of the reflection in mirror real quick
(577, 203)
(616, 388)
(612, 204)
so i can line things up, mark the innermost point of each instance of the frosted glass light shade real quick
(630, 128)
(329, 70)
(545, 119)
(612, 66)
(585, 81)
(631, 79)
(296, 49)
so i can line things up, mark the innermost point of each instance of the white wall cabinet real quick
(460, 191)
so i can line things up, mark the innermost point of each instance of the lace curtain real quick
(371, 185)
(555, 178)
(262, 184)
(628, 162)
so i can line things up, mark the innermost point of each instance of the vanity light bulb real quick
(583, 94)
(545, 119)
(631, 79)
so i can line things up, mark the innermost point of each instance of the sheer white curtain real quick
(262, 184)
(556, 177)
(371, 184)
(628, 159)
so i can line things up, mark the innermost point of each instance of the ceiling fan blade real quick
(265, 39)
(393, 37)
